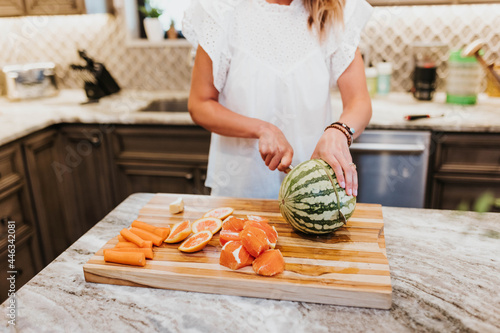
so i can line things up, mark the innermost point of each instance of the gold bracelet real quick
(343, 130)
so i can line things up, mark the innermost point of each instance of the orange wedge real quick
(196, 242)
(233, 223)
(179, 232)
(212, 224)
(228, 235)
(220, 213)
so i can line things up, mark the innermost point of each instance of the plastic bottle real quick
(384, 70)
(371, 80)
(464, 79)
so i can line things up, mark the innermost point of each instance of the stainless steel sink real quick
(167, 105)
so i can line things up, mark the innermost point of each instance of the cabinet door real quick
(87, 176)
(23, 260)
(11, 7)
(55, 7)
(46, 170)
(169, 159)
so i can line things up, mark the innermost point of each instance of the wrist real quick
(264, 127)
(339, 129)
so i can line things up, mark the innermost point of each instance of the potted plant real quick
(152, 25)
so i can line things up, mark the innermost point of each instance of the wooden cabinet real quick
(465, 166)
(18, 239)
(86, 178)
(160, 159)
(12, 7)
(41, 7)
(46, 173)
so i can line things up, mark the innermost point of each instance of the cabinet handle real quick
(95, 140)
(19, 272)
(4, 220)
(203, 177)
(188, 176)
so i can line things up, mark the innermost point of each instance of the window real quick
(173, 10)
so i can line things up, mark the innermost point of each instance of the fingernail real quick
(342, 184)
(349, 192)
(355, 193)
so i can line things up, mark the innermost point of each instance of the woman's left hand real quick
(333, 149)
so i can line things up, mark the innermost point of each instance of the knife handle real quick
(417, 116)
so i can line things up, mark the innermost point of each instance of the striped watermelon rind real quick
(310, 198)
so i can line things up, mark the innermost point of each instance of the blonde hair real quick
(323, 14)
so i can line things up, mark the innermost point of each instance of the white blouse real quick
(267, 64)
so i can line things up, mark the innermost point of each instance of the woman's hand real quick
(274, 148)
(333, 149)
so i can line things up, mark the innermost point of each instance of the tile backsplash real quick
(388, 36)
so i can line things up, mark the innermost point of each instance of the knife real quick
(290, 167)
(421, 116)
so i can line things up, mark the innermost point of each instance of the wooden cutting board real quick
(349, 267)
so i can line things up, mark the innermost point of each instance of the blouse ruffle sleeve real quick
(342, 47)
(206, 23)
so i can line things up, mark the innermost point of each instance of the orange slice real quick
(269, 263)
(271, 233)
(227, 236)
(233, 223)
(220, 213)
(212, 224)
(179, 232)
(196, 242)
(234, 256)
(254, 240)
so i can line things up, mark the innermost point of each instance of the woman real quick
(261, 84)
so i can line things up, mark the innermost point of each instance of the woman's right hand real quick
(274, 148)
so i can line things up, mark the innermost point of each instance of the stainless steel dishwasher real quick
(392, 167)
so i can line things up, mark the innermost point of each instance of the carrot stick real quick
(143, 226)
(132, 237)
(157, 240)
(147, 252)
(127, 258)
(162, 232)
(122, 245)
(121, 239)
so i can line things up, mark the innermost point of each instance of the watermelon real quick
(310, 198)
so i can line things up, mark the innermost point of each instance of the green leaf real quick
(484, 202)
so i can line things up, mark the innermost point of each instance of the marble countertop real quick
(445, 270)
(18, 119)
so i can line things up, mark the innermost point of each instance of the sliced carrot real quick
(126, 258)
(147, 245)
(147, 252)
(163, 232)
(143, 226)
(146, 235)
(131, 237)
(124, 245)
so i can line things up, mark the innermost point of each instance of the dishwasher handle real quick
(388, 147)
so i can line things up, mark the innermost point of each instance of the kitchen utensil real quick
(290, 167)
(29, 81)
(421, 116)
(426, 59)
(349, 267)
(98, 82)
(473, 50)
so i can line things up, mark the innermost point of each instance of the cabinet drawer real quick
(11, 208)
(25, 265)
(468, 153)
(10, 159)
(166, 143)
(451, 190)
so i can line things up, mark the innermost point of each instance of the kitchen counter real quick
(18, 119)
(444, 269)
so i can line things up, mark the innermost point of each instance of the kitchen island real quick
(444, 270)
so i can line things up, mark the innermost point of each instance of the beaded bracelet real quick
(343, 130)
(350, 130)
